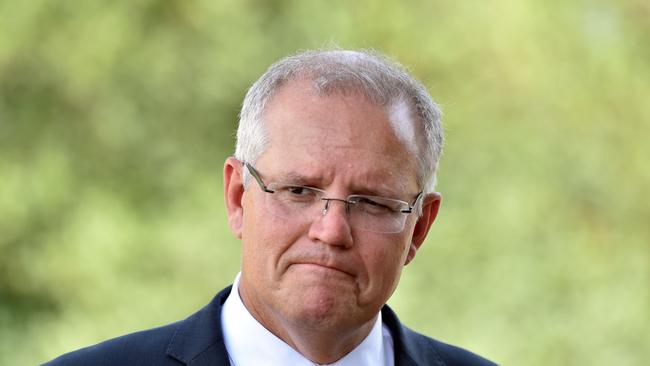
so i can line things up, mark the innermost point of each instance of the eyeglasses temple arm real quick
(411, 207)
(257, 178)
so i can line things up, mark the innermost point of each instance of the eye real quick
(297, 190)
(374, 205)
(297, 194)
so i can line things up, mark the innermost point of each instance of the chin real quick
(322, 309)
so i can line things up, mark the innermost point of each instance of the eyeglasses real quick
(300, 203)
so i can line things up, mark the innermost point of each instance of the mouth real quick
(319, 267)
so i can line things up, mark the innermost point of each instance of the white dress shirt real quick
(249, 343)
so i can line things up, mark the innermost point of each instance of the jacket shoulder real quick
(196, 339)
(448, 355)
(141, 348)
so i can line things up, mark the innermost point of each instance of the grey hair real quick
(381, 80)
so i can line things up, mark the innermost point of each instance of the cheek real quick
(264, 238)
(384, 261)
(395, 251)
(258, 225)
(255, 238)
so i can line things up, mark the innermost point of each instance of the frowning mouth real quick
(322, 267)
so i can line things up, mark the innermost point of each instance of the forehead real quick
(339, 134)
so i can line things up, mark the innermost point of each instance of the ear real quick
(430, 208)
(233, 186)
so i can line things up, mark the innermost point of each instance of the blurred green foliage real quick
(115, 118)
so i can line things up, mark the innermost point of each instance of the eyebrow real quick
(299, 179)
(395, 192)
(382, 192)
(381, 188)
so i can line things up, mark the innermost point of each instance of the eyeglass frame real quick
(347, 202)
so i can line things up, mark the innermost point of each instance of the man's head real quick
(343, 146)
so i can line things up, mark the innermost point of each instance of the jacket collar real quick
(409, 347)
(198, 339)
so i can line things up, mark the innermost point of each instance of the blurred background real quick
(116, 117)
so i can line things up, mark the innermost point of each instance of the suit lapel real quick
(198, 340)
(409, 351)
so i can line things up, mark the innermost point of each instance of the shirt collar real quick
(249, 343)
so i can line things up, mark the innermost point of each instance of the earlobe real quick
(233, 194)
(429, 213)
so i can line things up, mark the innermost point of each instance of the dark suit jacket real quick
(198, 340)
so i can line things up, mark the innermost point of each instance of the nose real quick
(332, 227)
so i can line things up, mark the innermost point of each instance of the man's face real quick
(322, 273)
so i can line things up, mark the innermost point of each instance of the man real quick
(331, 193)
